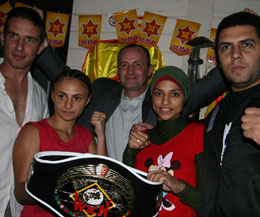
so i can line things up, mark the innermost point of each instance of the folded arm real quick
(204, 91)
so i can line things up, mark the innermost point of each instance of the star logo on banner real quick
(90, 29)
(185, 34)
(151, 28)
(56, 27)
(2, 18)
(127, 25)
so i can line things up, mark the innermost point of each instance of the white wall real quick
(206, 12)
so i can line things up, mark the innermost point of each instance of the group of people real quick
(207, 169)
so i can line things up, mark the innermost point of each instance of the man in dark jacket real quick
(231, 173)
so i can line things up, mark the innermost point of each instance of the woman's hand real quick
(169, 182)
(98, 121)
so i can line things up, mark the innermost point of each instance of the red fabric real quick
(166, 77)
(177, 156)
(50, 141)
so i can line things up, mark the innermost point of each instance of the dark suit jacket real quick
(107, 94)
(50, 63)
(45, 68)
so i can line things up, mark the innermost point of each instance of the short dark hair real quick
(134, 46)
(28, 14)
(239, 19)
(73, 74)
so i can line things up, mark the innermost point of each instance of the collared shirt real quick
(36, 109)
(128, 112)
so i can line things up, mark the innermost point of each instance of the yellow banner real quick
(151, 29)
(211, 55)
(89, 30)
(4, 9)
(126, 26)
(101, 60)
(56, 28)
(19, 4)
(184, 31)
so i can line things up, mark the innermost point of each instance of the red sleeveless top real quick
(50, 141)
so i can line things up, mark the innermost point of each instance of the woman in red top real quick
(171, 151)
(71, 92)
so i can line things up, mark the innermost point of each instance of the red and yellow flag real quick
(56, 28)
(184, 31)
(151, 29)
(211, 55)
(89, 30)
(126, 26)
(101, 60)
(4, 9)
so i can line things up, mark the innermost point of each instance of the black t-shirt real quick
(236, 100)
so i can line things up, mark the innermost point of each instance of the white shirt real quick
(128, 112)
(224, 145)
(36, 109)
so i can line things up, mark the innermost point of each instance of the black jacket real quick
(232, 188)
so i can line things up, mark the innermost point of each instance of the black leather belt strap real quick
(75, 184)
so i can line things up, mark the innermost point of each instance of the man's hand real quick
(251, 124)
(138, 139)
(250, 11)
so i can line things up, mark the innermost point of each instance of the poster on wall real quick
(151, 29)
(184, 31)
(211, 55)
(56, 28)
(126, 26)
(89, 30)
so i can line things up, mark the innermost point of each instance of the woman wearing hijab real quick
(171, 151)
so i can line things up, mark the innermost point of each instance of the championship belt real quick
(75, 184)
